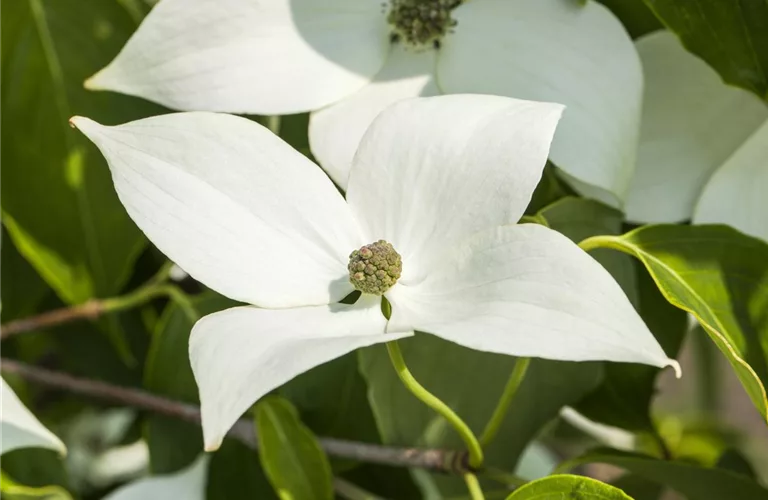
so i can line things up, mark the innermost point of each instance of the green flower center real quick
(421, 22)
(374, 268)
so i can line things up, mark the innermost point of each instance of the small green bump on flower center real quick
(421, 22)
(374, 268)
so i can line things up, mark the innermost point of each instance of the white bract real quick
(703, 145)
(346, 60)
(442, 179)
(19, 428)
(186, 484)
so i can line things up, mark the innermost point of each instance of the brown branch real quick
(446, 461)
(89, 310)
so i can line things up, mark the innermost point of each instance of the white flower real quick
(337, 58)
(186, 484)
(703, 145)
(19, 428)
(443, 179)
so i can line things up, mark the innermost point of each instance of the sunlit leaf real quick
(57, 197)
(292, 458)
(730, 35)
(693, 481)
(568, 487)
(721, 277)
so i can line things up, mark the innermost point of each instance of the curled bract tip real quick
(213, 446)
(676, 366)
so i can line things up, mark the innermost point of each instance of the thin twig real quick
(446, 461)
(89, 310)
(94, 308)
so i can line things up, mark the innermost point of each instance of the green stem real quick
(493, 425)
(510, 481)
(473, 485)
(273, 124)
(157, 286)
(475, 451)
(595, 242)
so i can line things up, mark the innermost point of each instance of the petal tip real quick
(675, 366)
(84, 125)
(213, 445)
(95, 81)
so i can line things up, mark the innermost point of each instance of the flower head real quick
(442, 180)
(349, 59)
(375, 268)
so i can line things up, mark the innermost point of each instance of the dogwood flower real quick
(428, 222)
(703, 146)
(19, 428)
(346, 60)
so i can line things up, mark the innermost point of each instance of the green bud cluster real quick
(375, 268)
(420, 22)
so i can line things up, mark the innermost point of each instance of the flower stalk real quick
(157, 286)
(497, 418)
(469, 438)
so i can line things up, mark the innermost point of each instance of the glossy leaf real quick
(12, 490)
(333, 400)
(568, 487)
(693, 481)
(470, 382)
(57, 197)
(294, 462)
(730, 35)
(721, 277)
(20, 286)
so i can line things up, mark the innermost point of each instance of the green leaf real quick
(639, 488)
(333, 400)
(12, 490)
(57, 197)
(693, 481)
(292, 458)
(21, 288)
(568, 487)
(470, 382)
(721, 277)
(730, 35)
(36, 467)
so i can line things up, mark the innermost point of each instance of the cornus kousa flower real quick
(346, 60)
(703, 146)
(428, 223)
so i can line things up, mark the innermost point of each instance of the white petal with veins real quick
(557, 51)
(692, 123)
(335, 131)
(736, 193)
(19, 428)
(240, 354)
(525, 290)
(432, 171)
(233, 205)
(250, 56)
